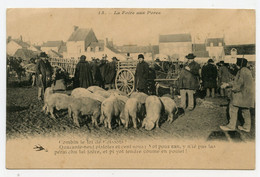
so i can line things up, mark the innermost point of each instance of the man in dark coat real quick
(43, 74)
(243, 97)
(83, 74)
(141, 75)
(103, 71)
(111, 75)
(189, 81)
(97, 78)
(209, 75)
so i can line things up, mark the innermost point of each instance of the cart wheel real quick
(125, 81)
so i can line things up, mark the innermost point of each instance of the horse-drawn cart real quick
(125, 77)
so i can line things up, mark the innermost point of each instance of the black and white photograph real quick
(130, 88)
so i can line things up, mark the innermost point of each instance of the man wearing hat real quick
(242, 97)
(111, 75)
(141, 75)
(209, 74)
(83, 74)
(189, 81)
(43, 74)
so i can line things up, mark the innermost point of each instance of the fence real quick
(68, 65)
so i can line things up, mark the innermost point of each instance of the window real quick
(91, 49)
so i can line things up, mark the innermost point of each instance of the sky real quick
(128, 27)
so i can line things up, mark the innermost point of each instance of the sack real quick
(59, 85)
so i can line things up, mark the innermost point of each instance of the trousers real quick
(233, 110)
(184, 93)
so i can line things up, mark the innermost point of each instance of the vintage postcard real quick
(130, 88)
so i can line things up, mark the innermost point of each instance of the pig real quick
(85, 106)
(82, 92)
(102, 93)
(47, 93)
(58, 101)
(117, 92)
(153, 107)
(140, 96)
(170, 107)
(111, 107)
(134, 109)
(93, 89)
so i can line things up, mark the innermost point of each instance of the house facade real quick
(215, 48)
(175, 45)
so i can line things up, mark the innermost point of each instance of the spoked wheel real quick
(125, 81)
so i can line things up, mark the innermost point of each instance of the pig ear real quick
(149, 125)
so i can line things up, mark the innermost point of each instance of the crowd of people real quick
(234, 82)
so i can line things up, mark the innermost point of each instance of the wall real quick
(75, 49)
(177, 48)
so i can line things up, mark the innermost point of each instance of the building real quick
(84, 42)
(175, 45)
(52, 45)
(14, 44)
(238, 51)
(132, 51)
(215, 48)
(199, 50)
(80, 41)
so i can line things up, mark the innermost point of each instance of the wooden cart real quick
(125, 77)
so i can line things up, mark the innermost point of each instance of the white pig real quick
(170, 107)
(85, 106)
(82, 92)
(134, 109)
(153, 107)
(140, 96)
(111, 107)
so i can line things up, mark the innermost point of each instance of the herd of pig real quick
(109, 106)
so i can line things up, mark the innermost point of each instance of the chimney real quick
(21, 38)
(75, 28)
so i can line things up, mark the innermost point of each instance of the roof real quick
(215, 41)
(21, 43)
(63, 49)
(52, 44)
(79, 35)
(54, 54)
(25, 54)
(242, 49)
(175, 38)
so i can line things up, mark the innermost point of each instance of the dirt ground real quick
(24, 119)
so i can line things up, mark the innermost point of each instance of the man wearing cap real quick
(242, 97)
(141, 75)
(209, 74)
(189, 81)
(83, 75)
(43, 74)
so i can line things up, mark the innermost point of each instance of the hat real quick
(114, 58)
(43, 55)
(242, 62)
(141, 56)
(190, 56)
(221, 62)
(83, 57)
(157, 60)
(210, 61)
